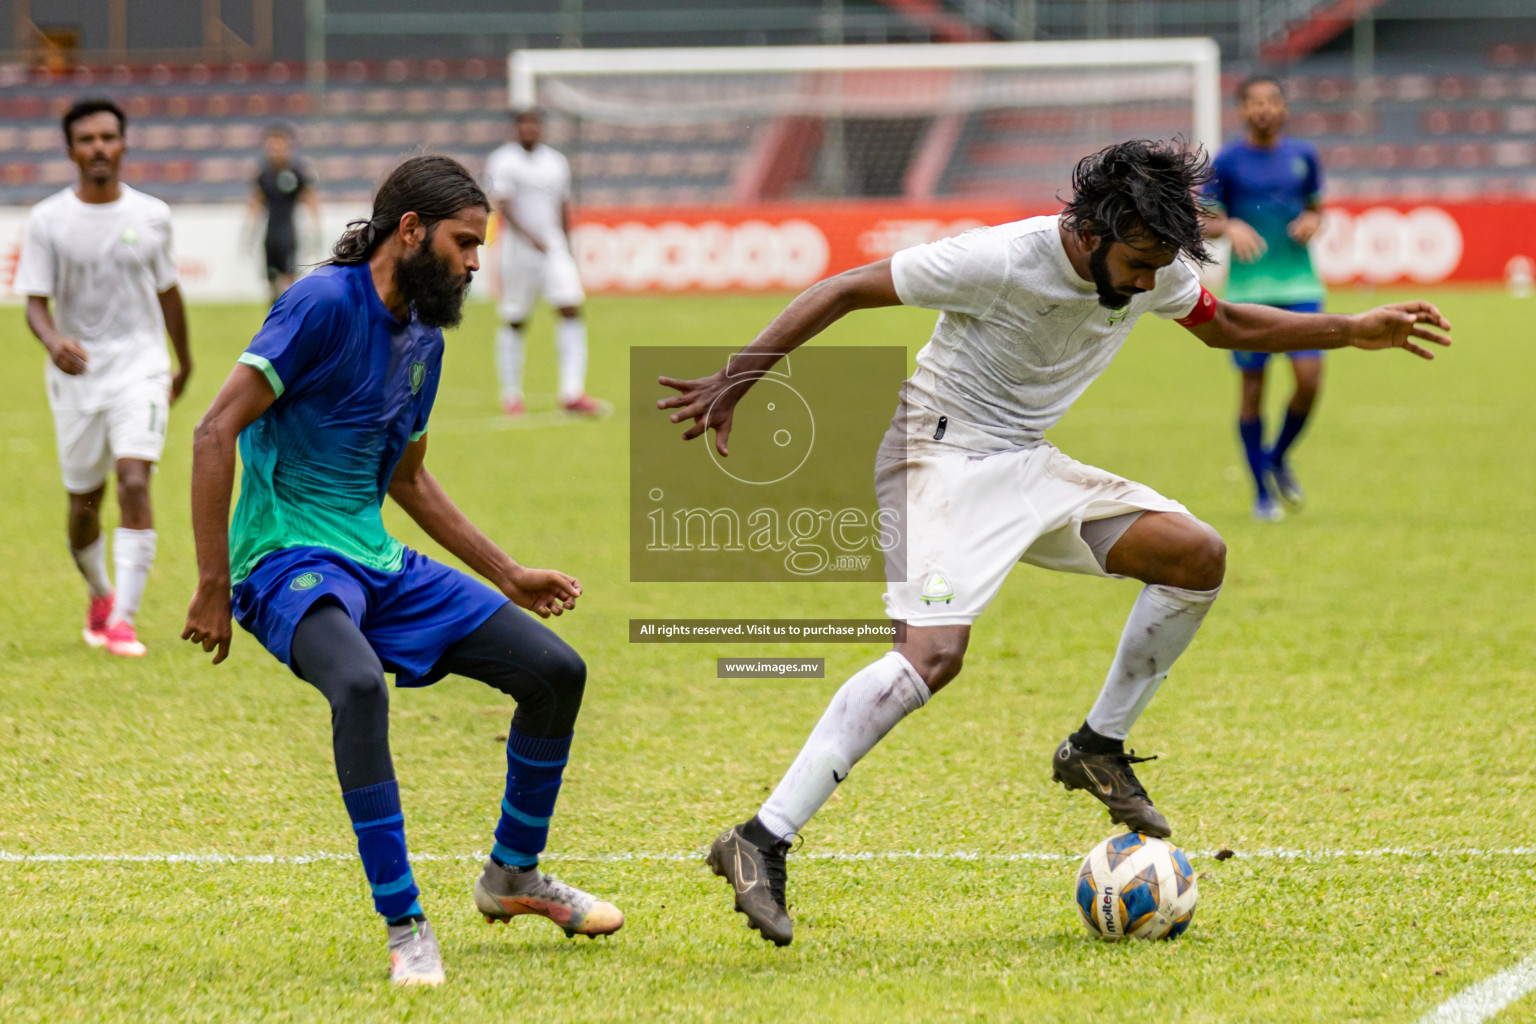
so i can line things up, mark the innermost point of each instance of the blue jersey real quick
(354, 386)
(1269, 188)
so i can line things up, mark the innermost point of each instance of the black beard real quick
(431, 288)
(1098, 265)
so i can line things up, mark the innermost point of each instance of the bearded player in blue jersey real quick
(329, 407)
(1267, 193)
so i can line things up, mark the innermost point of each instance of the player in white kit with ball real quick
(530, 183)
(1031, 313)
(101, 252)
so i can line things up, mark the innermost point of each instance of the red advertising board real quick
(789, 246)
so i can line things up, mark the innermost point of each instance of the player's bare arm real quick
(504, 207)
(246, 394)
(1248, 327)
(66, 353)
(175, 313)
(813, 311)
(545, 592)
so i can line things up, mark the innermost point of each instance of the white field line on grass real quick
(1473, 1005)
(1280, 853)
(1482, 1001)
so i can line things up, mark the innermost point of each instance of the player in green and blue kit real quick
(1267, 195)
(329, 406)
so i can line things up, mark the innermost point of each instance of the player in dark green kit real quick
(1267, 195)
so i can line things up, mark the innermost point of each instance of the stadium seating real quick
(196, 130)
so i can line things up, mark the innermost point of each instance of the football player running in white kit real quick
(1031, 313)
(530, 183)
(102, 252)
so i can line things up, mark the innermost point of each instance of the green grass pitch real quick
(1364, 686)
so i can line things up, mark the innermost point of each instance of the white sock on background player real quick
(509, 362)
(866, 708)
(92, 560)
(1162, 623)
(133, 552)
(571, 338)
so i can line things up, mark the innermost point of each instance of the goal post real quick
(1201, 55)
(764, 168)
(837, 122)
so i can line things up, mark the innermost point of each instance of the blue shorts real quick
(1257, 360)
(409, 617)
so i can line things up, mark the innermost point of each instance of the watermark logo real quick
(794, 499)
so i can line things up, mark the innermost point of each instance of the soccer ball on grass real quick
(1136, 886)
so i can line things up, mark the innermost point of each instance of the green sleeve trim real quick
(265, 366)
(417, 435)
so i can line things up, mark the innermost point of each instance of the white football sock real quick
(133, 552)
(509, 362)
(92, 560)
(1162, 623)
(571, 337)
(866, 708)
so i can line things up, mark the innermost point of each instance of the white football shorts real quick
(526, 273)
(131, 425)
(968, 516)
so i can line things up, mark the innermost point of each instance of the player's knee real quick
(84, 512)
(570, 312)
(133, 489)
(938, 660)
(567, 673)
(1205, 562)
(358, 688)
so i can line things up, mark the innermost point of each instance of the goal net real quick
(744, 125)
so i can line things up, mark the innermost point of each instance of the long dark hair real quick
(1141, 187)
(433, 187)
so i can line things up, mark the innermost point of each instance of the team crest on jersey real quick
(130, 235)
(1299, 166)
(308, 581)
(418, 374)
(936, 589)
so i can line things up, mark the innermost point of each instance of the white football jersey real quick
(537, 184)
(104, 266)
(1020, 335)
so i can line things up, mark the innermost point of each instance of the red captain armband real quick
(1203, 313)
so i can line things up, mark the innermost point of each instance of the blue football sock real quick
(1252, 433)
(380, 828)
(1289, 431)
(534, 768)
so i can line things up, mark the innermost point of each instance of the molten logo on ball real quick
(1136, 886)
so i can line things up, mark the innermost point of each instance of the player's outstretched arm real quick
(544, 592)
(244, 396)
(1245, 327)
(710, 401)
